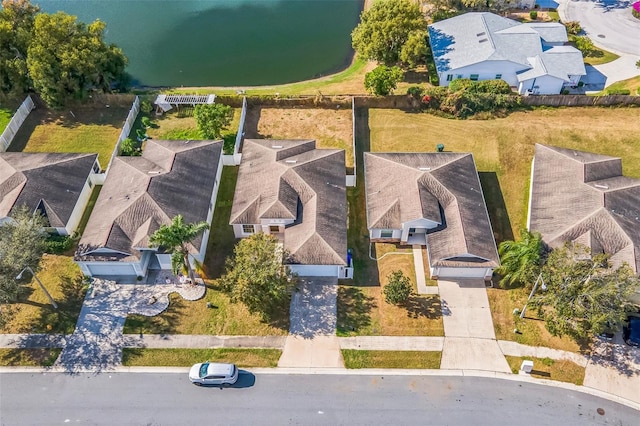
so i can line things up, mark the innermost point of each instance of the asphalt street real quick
(278, 399)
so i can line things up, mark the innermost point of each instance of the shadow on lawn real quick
(354, 310)
(496, 206)
(421, 306)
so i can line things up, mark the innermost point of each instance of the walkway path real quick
(313, 342)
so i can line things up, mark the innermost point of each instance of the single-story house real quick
(142, 193)
(533, 58)
(56, 185)
(296, 192)
(583, 197)
(433, 199)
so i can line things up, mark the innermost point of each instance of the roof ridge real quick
(489, 34)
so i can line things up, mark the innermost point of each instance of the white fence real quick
(234, 160)
(16, 121)
(126, 129)
(351, 179)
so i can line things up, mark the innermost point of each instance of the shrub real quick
(638, 64)
(382, 80)
(146, 121)
(635, 11)
(146, 107)
(533, 15)
(129, 148)
(584, 45)
(638, 91)
(58, 244)
(618, 92)
(229, 143)
(573, 27)
(415, 91)
(398, 289)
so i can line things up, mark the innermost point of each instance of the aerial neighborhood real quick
(462, 200)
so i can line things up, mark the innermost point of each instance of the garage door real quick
(315, 270)
(112, 269)
(461, 272)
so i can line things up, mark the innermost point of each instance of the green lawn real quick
(600, 56)
(5, 117)
(391, 359)
(633, 84)
(187, 357)
(87, 211)
(28, 357)
(545, 368)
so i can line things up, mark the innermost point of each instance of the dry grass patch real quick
(391, 359)
(532, 331)
(83, 130)
(503, 147)
(28, 357)
(330, 128)
(546, 368)
(34, 314)
(187, 357)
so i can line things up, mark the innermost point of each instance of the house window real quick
(474, 77)
(498, 76)
(449, 77)
(96, 167)
(459, 76)
(386, 233)
(89, 183)
(247, 229)
(274, 228)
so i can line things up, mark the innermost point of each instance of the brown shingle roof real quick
(291, 179)
(442, 187)
(51, 182)
(583, 197)
(142, 193)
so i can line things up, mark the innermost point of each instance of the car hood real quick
(194, 372)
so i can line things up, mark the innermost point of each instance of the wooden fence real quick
(579, 100)
(16, 121)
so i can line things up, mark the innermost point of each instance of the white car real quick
(211, 373)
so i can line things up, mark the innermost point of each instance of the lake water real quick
(223, 42)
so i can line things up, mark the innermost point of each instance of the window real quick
(474, 77)
(498, 76)
(449, 77)
(89, 183)
(274, 228)
(459, 76)
(247, 229)
(96, 167)
(386, 233)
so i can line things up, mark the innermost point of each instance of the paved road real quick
(168, 399)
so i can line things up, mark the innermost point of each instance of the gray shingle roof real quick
(291, 179)
(142, 193)
(583, 197)
(402, 187)
(481, 36)
(50, 181)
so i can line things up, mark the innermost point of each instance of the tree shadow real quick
(44, 357)
(496, 206)
(251, 122)
(354, 310)
(423, 307)
(165, 323)
(418, 76)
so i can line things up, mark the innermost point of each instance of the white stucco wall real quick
(486, 70)
(212, 207)
(78, 210)
(546, 85)
(375, 233)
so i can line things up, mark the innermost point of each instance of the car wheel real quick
(197, 383)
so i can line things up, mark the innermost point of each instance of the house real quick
(142, 193)
(433, 199)
(533, 58)
(56, 185)
(583, 198)
(296, 192)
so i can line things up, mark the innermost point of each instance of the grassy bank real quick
(187, 357)
(28, 357)
(391, 359)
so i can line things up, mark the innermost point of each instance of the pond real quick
(223, 42)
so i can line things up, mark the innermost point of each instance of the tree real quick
(66, 58)
(584, 45)
(398, 288)
(382, 80)
(520, 261)
(129, 148)
(385, 28)
(176, 239)
(212, 118)
(22, 244)
(585, 294)
(573, 27)
(414, 51)
(256, 275)
(16, 28)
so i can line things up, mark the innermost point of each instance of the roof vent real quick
(601, 186)
(424, 169)
(154, 172)
(291, 161)
(481, 34)
(483, 40)
(276, 146)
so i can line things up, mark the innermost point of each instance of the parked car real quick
(631, 332)
(211, 373)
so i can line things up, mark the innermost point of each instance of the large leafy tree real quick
(520, 261)
(212, 119)
(17, 19)
(585, 294)
(256, 276)
(22, 244)
(414, 52)
(385, 28)
(175, 239)
(382, 80)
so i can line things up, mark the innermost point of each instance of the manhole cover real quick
(600, 411)
(602, 35)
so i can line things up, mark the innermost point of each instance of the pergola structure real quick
(166, 102)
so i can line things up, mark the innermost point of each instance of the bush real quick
(584, 45)
(382, 80)
(618, 92)
(533, 15)
(58, 244)
(146, 121)
(399, 288)
(130, 148)
(573, 27)
(638, 91)
(638, 64)
(415, 91)
(146, 107)
(229, 143)
(464, 97)
(635, 11)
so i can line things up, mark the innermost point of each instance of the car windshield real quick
(203, 369)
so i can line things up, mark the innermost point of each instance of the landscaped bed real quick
(82, 129)
(545, 368)
(391, 359)
(29, 357)
(187, 357)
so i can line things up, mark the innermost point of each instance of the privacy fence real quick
(16, 121)
(126, 129)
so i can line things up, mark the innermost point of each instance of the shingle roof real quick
(476, 37)
(583, 197)
(291, 179)
(49, 182)
(142, 193)
(402, 187)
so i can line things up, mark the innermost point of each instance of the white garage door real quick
(112, 269)
(461, 272)
(315, 270)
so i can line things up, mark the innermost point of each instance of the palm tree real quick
(175, 239)
(521, 260)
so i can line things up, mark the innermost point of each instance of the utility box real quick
(526, 366)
